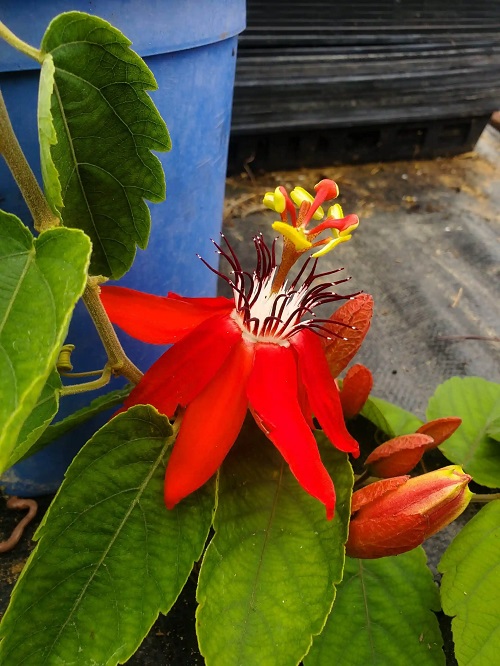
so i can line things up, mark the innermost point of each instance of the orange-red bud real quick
(356, 313)
(440, 430)
(356, 388)
(397, 456)
(395, 515)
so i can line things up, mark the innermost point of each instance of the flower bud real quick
(395, 515)
(440, 429)
(397, 456)
(356, 388)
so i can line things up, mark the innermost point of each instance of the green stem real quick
(484, 499)
(119, 362)
(361, 478)
(18, 44)
(43, 217)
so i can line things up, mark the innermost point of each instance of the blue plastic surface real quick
(153, 26)
(194, 47)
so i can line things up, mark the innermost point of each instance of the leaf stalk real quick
(43, 217)
(18, 44)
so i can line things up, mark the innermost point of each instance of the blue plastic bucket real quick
(191, 49)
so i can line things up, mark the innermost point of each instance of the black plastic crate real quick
(354, 80)
(295, 149)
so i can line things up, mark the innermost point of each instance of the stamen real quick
(300, 273)
(278, 315)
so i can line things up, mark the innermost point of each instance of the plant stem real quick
(484, 499)
(361, 479)
(43, 217)
(18, 44)
(119, 363)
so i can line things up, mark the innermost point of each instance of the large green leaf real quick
(111, 556)
(98, 126)
(493, 430)
(46, 434)
(267, 580)
(391, 419)
(382, 616)
(477, 402)
(41, 280)
(43, 412)
(469, 588)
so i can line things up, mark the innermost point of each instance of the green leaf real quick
(267, 580)
(469, 588)
(477, 402)
(41, 281)
(106, 125)
(382, 615)
(33, 428)
(391, 419)
(493, 429)
(110, 556)
(66, 425)
(47, 135)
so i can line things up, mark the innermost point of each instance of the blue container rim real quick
(155, 27)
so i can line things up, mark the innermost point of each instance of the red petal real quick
(374, 491)
(398, 456)
(356, 312)
(184, 370)
(440, 430)
(304, 405)
(356, 388)
(159, 319)
(382, 537)
(273, 395)
(322, 390)
(209, 427)
(213, 303)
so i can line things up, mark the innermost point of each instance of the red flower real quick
(256, 352)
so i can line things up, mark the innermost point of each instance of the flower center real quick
(266, 315)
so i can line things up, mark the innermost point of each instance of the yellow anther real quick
(296, 235)
(275, 200)
(331, 244)
(336, 212)
(279, 200)
(268, 200)
(299, 195)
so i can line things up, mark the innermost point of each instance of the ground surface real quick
(427, 250)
